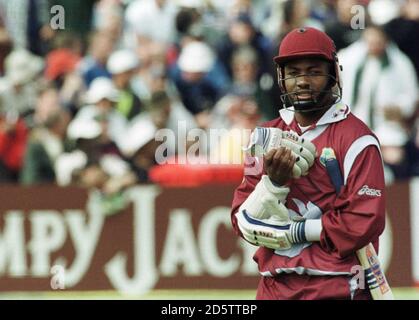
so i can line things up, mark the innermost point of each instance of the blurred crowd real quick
(81, 105)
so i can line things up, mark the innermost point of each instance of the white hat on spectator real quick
(83, 129)
(196, 57)
(22, 66)
(382, 11)
(101, 88)
(141, 131)
(121, 61)
(66, 164)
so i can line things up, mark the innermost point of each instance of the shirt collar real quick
(339, 111)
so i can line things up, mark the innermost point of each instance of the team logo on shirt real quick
(365, 190)
(339, 108)
(327, 154)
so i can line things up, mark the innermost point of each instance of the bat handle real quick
(374, 274)
(333, 170)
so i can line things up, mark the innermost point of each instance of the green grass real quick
(399, 293)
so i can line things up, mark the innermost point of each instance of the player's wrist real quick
(279, 190)
(313, 229)
(276, 183)
(297, 232)
(266, 200)
(305, 231)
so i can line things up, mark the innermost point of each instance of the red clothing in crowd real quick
(13, 145)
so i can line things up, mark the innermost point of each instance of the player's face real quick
(306, 77)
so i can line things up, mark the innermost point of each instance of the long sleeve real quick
(358, 216)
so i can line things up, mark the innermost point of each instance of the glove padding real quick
(266, 200)
(271, 233)
(263, 140)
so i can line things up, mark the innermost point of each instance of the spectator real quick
(96, 164)
(27, 23)
(98, 130)
(246, 82)
(200, 80)
(340, 30)
(63, 59)
(61, 68)
(93, 65)
(287, 15)
(108, 17)
(78, 17)
(257, 10)
(123, 65)
(297, 14)
(402, 30)
(241, 115)
(102, 97)
(150, 29)
(151, 20)
(370, 82)
(18, 88)
(162, 113)
(324, 10)
(192, 23)
(208, 21)
(17, 95)
(46, 141)
(241, 32)
(382, 87)
(188, 20)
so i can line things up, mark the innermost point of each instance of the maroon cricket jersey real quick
(351, 220)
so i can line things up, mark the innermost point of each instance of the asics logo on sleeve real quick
(369, 191)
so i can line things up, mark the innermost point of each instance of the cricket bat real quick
(368, 258)
(374, 274)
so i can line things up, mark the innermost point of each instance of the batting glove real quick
(267, 200)
(270, 233)
(265, 139)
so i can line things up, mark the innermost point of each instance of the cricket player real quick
(306, 220)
